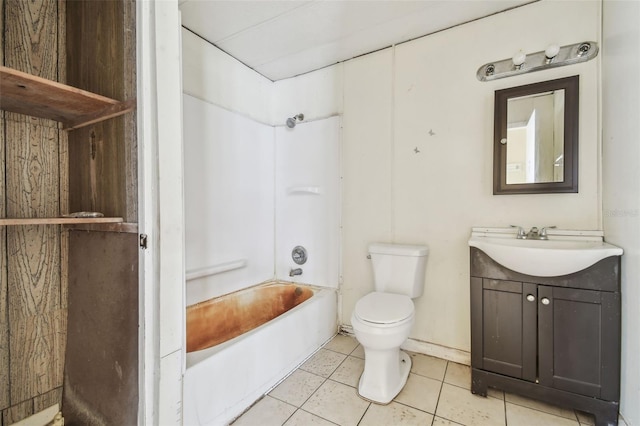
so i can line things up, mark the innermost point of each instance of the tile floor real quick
(322, 391)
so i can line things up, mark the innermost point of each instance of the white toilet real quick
(382, 320)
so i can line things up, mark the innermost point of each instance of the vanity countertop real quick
(565, 252)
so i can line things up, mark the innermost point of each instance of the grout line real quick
(435, 410)
(488, 396)
(338, 352)
(315, 391)
(235, 419)
(364, 413)
(338, 366)
(504, 405)
(539, 410)
(575, 413)
(449, 420)
(308, 398)
(442, 382)
(320, 417)
(404, 404)
(291, 415)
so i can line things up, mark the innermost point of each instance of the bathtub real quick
(232, 366)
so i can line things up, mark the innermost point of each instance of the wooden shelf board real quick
(31, 95)
(124, 227)
(57, 220)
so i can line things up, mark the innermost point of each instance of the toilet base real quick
(385, 374)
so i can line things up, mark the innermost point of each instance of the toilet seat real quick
(384, 309)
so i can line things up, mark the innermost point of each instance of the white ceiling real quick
(281, 39)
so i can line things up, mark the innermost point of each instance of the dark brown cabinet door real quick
(504, 327)
(556, 339)
(578, 343)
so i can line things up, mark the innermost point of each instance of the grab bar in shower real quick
(216, 269)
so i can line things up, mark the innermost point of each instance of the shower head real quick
(292, 121)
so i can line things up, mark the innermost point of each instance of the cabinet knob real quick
(531, 297)
(545, 301)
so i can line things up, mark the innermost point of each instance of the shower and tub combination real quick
(221, 319)
(241, 345)
(254, 192)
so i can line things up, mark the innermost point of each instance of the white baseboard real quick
(432, 349)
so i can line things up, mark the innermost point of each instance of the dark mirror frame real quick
(571, 121)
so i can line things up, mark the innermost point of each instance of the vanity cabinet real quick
(556, 339)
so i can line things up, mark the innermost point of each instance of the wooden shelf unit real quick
(67, 144)
(31, 95)
(28, 94)
(58, 221)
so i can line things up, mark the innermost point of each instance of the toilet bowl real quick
(382, 322)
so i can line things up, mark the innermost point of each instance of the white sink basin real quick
(544, 258)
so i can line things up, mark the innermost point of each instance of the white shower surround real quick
(252, 193)
(229, 198)
(308, 200)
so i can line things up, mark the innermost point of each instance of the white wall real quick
(212, 75)
(394, 98)
(161, 334)
(229, 198)
(391, 99)
(367, 176)
(621, 177)
(317, 94)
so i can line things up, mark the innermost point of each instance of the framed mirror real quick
(536, 138)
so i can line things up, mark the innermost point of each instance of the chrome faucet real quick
(521, 235)
(297, 271)
(533, 234)
(543, 233)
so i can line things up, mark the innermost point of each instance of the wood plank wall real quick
(32, 307)
(101, 59)
(101, 374)
(101, 370)
(4, 314)
(46, 172)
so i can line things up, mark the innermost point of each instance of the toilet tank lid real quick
(398, 249)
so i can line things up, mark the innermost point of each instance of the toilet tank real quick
(399, 268)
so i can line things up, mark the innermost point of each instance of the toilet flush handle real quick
(368, 256)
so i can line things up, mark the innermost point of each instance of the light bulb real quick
(519, 58)
(552, 51)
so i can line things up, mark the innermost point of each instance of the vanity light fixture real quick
(551, 52)
(553, 56)
(519, 60)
